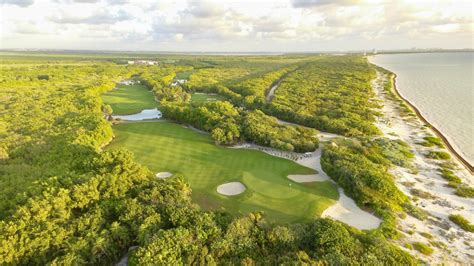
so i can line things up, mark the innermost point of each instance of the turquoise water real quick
(441, 86)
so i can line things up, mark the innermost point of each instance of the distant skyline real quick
(235, 26)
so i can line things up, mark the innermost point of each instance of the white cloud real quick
(290, 25)
(20, 3)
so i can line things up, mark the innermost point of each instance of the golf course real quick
(131, 99)
(164, 146)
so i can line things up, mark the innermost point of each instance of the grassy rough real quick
(164, 146)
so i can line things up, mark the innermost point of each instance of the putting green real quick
(126, 100)
(169, 147)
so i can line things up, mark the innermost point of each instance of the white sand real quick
(143, 115)
(272, 92)
(307, 178)
(164, 175)
(458, 242)
(231, 188)
(347, 211)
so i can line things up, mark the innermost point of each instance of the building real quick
(143, 62)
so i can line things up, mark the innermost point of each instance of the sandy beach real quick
(451, 243)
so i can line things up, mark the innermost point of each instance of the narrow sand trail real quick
(458, 247)
(271, 93)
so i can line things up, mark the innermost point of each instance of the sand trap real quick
(231, 188)
(163, 175)
(347, 211)
(143, 115)
(307, 178)
(312, 161)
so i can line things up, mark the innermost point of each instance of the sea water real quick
(441, 86)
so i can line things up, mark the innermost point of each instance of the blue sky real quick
(238, 26)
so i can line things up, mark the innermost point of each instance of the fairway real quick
(199, 97)
(132, 99)
(169, 147)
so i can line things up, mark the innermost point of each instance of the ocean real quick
(441, 86)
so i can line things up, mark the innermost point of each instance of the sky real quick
(236, 26)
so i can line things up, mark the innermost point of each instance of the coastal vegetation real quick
(423, 248)
(358, 166)
(465, 191)
(462, 222)
(438, 155)
(336, 93)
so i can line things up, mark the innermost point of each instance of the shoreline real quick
(437, 132)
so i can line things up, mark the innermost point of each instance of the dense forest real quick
(63, 200)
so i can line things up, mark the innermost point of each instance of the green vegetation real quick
(132, 99)
(200, 98)
(426, 235)
(164, 146)
(438, 155)
(423, 248)
(421, 194)
(265, 130)
(65, 201)
(183, 75)
(357, 167)
(330, 94)
(465, 191)
(432, 141)
(462, 222)
(450, 176)
(389, 88)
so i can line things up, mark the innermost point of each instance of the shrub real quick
(43, 77)
(432, 141)
(449, 175)
(426, 235)
(465, 191)
(415, 211)
(438, 155)
(422, 248)
(421, 194)
(462, 222)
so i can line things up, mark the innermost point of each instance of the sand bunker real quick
(163, 175)
(231, 188)
(143, 115)
(307, 178)
(347, 211)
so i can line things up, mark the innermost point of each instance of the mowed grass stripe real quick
(132, 99)
(165, 146)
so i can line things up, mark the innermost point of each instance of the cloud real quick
(203, 9)
(87, 1)
(20, 3)
(100, 17)
(314, 3)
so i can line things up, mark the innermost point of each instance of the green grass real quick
(423, 248)
(129, 99)
(165, 146)
(205, 97)
(462, 222)
(183, 75)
